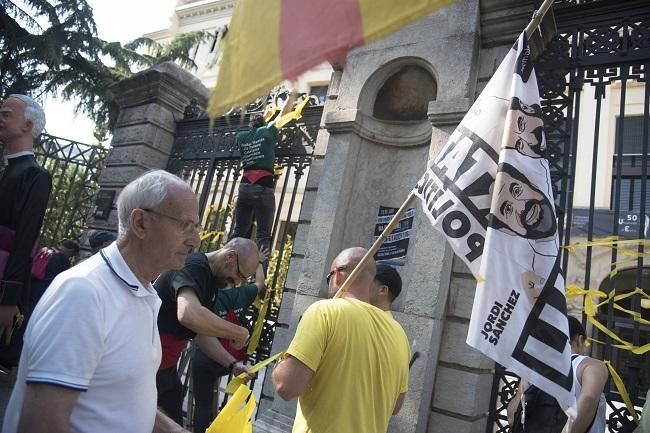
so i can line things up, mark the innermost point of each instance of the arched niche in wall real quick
(394, 101)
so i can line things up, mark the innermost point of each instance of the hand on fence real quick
(240, 368)
(263, 254)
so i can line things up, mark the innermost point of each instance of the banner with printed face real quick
(489, 191)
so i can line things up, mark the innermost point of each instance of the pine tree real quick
(51, 47)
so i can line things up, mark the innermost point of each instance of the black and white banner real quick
(489, 191)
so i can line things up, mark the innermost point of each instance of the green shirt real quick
(237, 299)
(257, 147)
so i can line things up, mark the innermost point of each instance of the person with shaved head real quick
(187, 296)
(348, 362)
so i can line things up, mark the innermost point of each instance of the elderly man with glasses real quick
(92, 348)
(187, 296)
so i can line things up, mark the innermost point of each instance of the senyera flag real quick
(489, 191)
(274, 40)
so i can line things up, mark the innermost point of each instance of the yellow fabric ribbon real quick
(254, 341)
(294, 115)
(618, 382)
(590, 310)
(235, 417)
(608, 242)
(237, 381)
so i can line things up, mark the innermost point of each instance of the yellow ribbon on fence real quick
(294, 115)
(608, 242)
(590, 309)
(235, 417)
(241, 379)
(618, 382)
(254, 341)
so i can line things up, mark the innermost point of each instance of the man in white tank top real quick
(590, 376)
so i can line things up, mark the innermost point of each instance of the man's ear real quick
(29, 125)
(137, 222)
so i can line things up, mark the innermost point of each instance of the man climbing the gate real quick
(256, 197)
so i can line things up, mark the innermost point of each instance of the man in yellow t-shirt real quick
(348, 362)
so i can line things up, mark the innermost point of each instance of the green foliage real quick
(51, 47)
(73, 183)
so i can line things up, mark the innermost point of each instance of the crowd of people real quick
(101, 342)
(102, 339)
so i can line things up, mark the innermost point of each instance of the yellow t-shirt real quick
(359, 355)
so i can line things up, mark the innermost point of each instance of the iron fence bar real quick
(599, 94)
(575, 94)
(213, 196)
(200, 184)
(278, 212)
(636, 361)
(61, 177)
(221, 194)
(52, 166)
(206, 187)
(616, 198)
(73, 219)
(66, 199)
(231, 194)
(193, 179)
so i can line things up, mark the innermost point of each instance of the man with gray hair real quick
(92, 348)
(24, 192)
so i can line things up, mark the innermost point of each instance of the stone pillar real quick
(150, 104)
(371, 162)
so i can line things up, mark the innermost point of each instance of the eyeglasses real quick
(186, 225)
(239, 270)
(332, 272)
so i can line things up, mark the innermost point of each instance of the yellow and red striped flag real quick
(274, 40)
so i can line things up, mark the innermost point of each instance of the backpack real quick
(543, 413)
(40, 262)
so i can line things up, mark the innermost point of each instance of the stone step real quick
(272, 422)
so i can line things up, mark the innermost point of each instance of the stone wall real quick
(150, 103)
(363, 162)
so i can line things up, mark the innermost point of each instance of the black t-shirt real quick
(195, 274)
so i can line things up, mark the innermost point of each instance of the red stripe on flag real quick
(312, 31)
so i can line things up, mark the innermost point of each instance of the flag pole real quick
(373, 249)
(538, 15)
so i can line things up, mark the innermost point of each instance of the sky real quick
(117, 20)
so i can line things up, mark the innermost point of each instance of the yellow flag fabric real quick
(277, 40)
(235, 417)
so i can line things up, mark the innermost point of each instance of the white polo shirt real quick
(95, 330)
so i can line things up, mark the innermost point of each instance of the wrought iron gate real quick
(75, 168)
(208, 158)
(596, 103)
